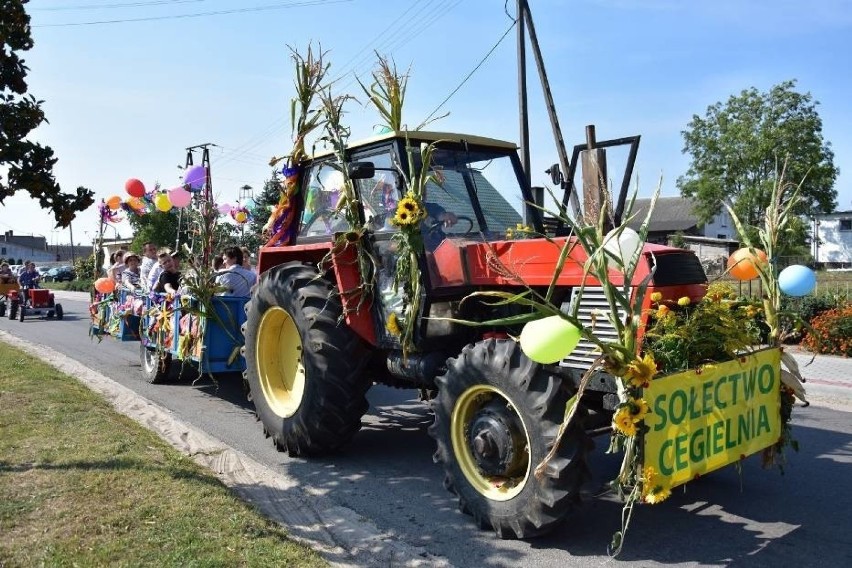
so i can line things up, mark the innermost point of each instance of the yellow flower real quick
(657, 494)
(650, 476)
(408, 211)
(683, 301)
(393, 325)
(751, 311)
(623, 421)
(638, 409)
(662, 311)
(641, 371)
(656, 297)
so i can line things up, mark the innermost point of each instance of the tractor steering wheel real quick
(438, 227)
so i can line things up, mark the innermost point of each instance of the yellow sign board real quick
(700, 422)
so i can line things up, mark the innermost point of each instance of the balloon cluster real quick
(239, 213)
(795, 280)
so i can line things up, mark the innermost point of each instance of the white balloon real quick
(623, 247)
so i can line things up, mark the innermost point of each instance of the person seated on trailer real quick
(130, 277)
(246, 259)
(28, 278)
(117, 266)
(149, 261)
(169, 279)
(235, 279)
(6, 276)
(156, 270)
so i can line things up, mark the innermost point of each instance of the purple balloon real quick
(225, 208)
(195, 178)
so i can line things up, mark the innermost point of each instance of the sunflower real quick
(622, 421)
(641, 371)
(403, 218)
(657, 494)
(638, 409)
(393, 325)
(408, 211)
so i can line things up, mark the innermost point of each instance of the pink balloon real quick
(225, 208)
(179, 197)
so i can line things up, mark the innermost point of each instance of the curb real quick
(343, 537)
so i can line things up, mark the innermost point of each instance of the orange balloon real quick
(136, 204)
(113, 202)
(104, 285)
(742, 265)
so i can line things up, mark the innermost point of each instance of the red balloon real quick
(134, 187)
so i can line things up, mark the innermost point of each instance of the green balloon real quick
(549, 339)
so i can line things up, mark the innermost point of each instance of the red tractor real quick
(312, 350)
(30, 301)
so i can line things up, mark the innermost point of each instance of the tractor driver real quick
(28, 278)
(6, 276)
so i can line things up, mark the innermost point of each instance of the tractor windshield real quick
(479, 185)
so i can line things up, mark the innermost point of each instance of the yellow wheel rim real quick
(469, 404)
(279, 362)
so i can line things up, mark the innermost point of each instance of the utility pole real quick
(525, 17)
(523, 111)
(71, 232)
(205, 205)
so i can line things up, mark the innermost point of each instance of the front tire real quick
(496, 417)
(59, 311)
(13, 310)
(303, 365)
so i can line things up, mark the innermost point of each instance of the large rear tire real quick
(496, 418)
(303, 365)
(2, 308)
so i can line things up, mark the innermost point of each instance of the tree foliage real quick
(738, 146)
(29, 165)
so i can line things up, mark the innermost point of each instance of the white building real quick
(832, 246)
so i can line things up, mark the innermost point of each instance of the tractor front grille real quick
(593, 313)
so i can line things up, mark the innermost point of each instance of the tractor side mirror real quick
(362, 170)
(555, 175)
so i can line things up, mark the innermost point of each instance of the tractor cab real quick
(474, 181)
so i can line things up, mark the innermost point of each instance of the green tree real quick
(29, 165)
(738, 147)
(253, 236)
(158, 228)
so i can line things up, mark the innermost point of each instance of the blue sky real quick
(125, 99)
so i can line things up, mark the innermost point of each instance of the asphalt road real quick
(758, 518)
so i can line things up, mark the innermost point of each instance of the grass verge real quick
(81, 485)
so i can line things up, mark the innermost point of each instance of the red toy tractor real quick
(312, 352)
(31, 302)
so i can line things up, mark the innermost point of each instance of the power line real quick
(478, 65)
(280, 124)
(198, 14)
(110, 6)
